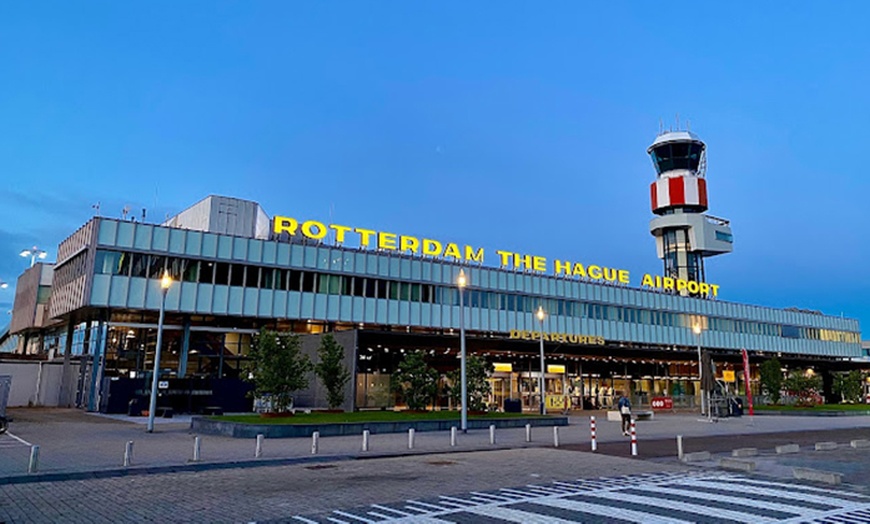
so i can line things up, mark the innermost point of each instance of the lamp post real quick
(3, 284)
(540, 314)
(34, 253)
(696, 328)
(461, 282)
(165, 283)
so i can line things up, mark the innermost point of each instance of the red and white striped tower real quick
(684, 235)
(592, 429)
(633, 439)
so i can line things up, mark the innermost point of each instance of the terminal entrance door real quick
(531, 395)
(500, 389)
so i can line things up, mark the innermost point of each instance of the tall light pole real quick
(165, 283)
(540, 314)
(3, 284)
(461, 282)
(34, 253)
(696, 328)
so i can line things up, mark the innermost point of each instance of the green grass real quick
(363, 416)
(823, 407)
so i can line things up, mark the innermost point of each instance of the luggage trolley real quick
(5, 386)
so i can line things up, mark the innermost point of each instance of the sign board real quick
(662, 403)
(555, 402)
(728, 375)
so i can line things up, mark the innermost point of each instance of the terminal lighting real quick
(34, 253)
(3, 285)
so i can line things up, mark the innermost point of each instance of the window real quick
(725, 237)
(139, 266)
(206, 272)
(221, 273)
(237, 275)
(252, 276)
(191, 271)
(156, 265)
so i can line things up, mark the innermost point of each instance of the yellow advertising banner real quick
(728, 375)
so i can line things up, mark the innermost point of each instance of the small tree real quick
(804, 386)
(331, 371)
(415, 380)
(477, 371)
(278, 367)
(771, 379)
(849, 385)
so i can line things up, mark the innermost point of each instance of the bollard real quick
(492, 434)
(365, 446)
(128, 454)
(33, 466)
(555, 436)
(680, 447)
(315, 437)
(258, 452)
(453, 436)
(411, 438)
(197, 447)
(633, 439)
(528, 432)
(592, 429)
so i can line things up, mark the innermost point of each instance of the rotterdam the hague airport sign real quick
(382, 240)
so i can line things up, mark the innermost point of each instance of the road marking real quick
(19, 439)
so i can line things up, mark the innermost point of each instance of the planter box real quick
(208, 426)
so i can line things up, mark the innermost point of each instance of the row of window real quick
(243, 275)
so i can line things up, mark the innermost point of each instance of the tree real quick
(415, 380)
(805, 386)
(278, 367)
(331, 371)
(849, 385)
(477, 371)
(771, 379)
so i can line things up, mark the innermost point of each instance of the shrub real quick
(415, 380)
(849, 385)
(477, 371)
(331, 371)
(771, 379)
(278, 367)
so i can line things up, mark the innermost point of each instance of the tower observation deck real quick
(684, 234)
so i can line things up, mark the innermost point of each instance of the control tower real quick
(684, 234)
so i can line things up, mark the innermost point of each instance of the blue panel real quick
(323, 258)
(435, 316)
(336, 259)
(106, 234)
(252, 302)
(193, 246)
(416, 270)
(225, 247)
(100, 290)
(345, 310)
(371, 265)
(269, 252)
(264, 303)
(279, 305)
(173, 297)
(405, 268)
(126, 232)
(309, 256)
(234, 300)
(416, 314)
(435, 274)
(255, 250)
(136, 293)
(359, 263)
(474, 320)
(118, 292)
(370, 310)
(160, 239)
(203, 298)
(187, 301)
(220, 300)
(209, 245)
(332, 307)
(381, 311)
(153, 294)
(427, 271)
(404, 313)
(392, 312)
(358, 311)
(319, 307)
(142, 239)
(176, 241)
(240, 248)
(304, 308)
(394, 267)
(283, 255)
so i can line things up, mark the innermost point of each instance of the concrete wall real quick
(315, 396)
(37, 383)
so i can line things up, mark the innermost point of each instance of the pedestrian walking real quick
(624, 406)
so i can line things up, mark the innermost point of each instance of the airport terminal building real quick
(236, 270)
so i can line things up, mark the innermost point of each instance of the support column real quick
(99, 363)
(185, 348)
(63, 399)
(85, 363)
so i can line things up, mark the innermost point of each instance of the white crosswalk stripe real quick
(667, 498)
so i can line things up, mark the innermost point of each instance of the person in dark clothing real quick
(624, 407)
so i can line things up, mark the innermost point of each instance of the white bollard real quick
(592, 429)
(197, 447)
(453, 436)
(315, 437)
(555, 436)
(633, 439)
(680, 447)
(258, 452)
(128, 454)
(528, 432)
(33, 466)
(411, 438)
(365, 446)
(492, 434)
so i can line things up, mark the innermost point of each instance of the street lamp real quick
(461, 282)
(165, 283)
(696, 328)
(3, 284)
(34, 253)
(540, 314)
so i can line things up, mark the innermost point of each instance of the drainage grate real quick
(321, 466)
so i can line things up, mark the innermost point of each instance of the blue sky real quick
(510, 125)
